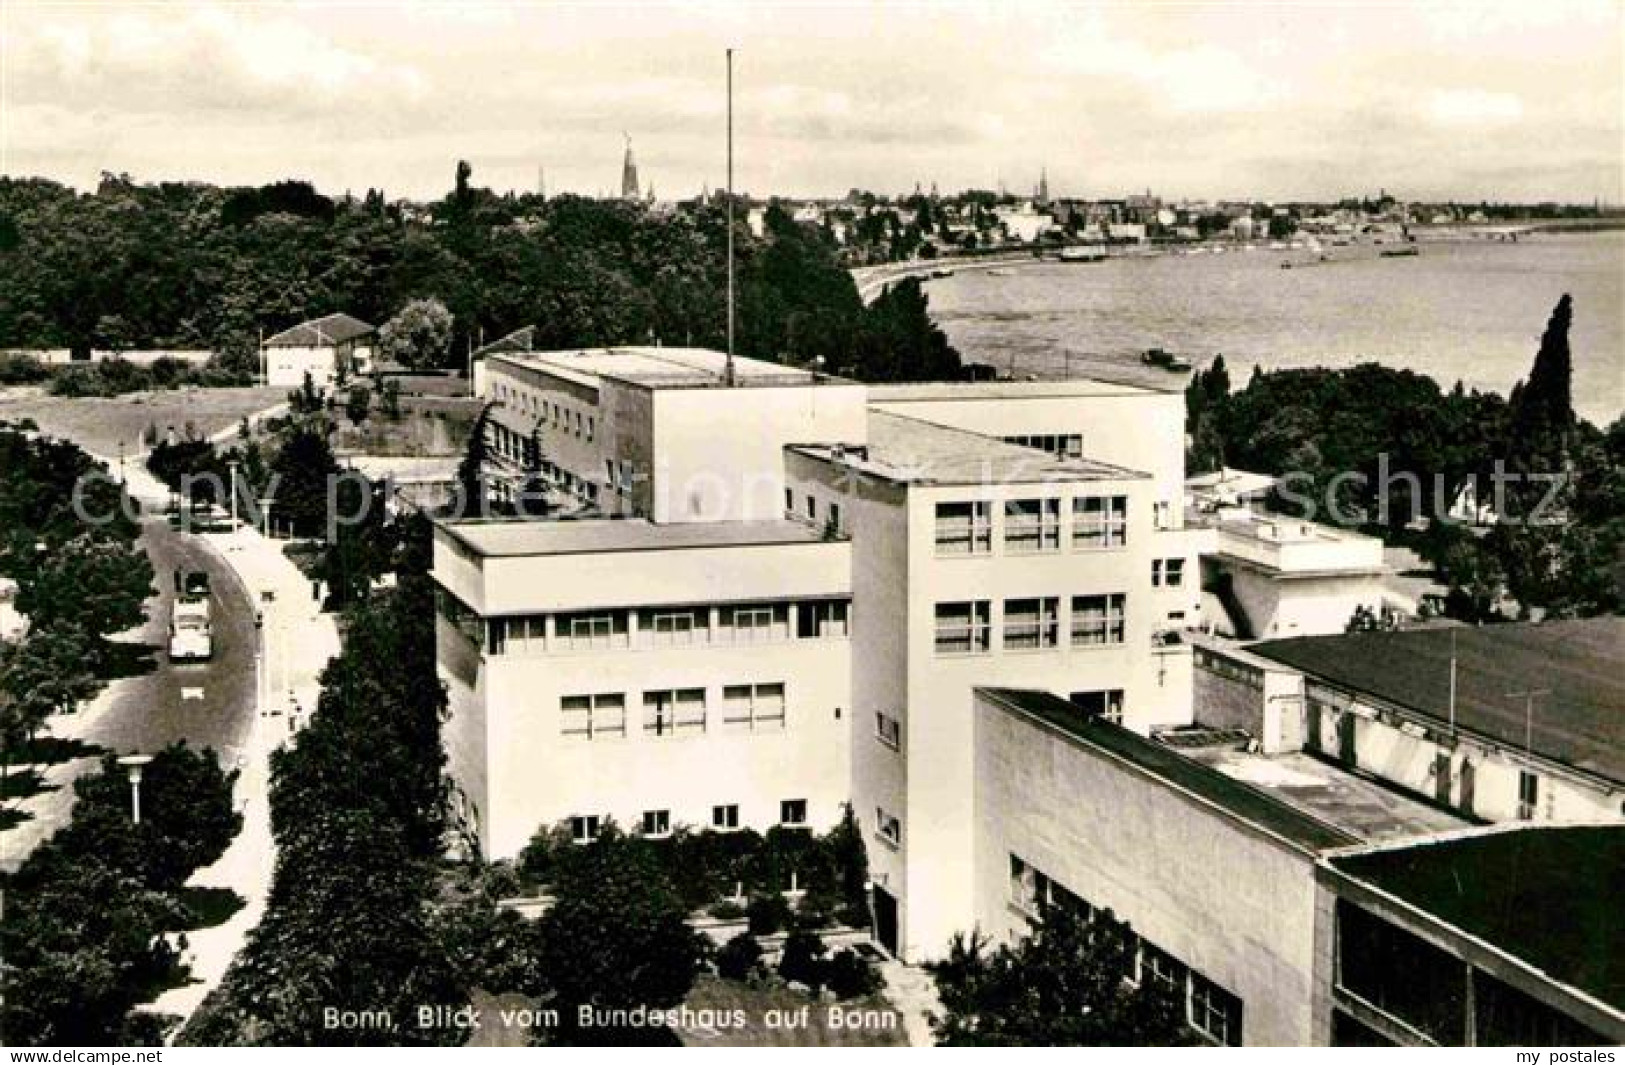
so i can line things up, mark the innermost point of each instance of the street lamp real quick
(233, 465)
(134, 763)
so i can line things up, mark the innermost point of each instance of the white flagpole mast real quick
(730, 370)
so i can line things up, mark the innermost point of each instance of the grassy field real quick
(875, 1022)
(100, 425)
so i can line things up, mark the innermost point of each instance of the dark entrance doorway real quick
(886, 920)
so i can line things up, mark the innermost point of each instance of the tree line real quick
(1553, 535)
(189, 265)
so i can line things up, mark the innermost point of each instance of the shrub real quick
(803, 960)
(740, 957)
(816, 911)
(18, 368)
(767, 914)
(851, 975)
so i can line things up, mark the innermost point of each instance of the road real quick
(208, 704)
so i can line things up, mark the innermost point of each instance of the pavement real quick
(914, 992)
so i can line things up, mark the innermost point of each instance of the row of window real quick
(1029, 624)
(1032, 526)
(673, 712)
(676, 626)
(1059, 445)
(809, 511)
(584, 828)
(574, 422)
(1209, 1008)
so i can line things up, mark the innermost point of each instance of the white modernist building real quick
(319, 348)
(762, 594)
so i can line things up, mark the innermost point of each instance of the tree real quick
(615, 936)
(1543, 419)
(419, 335)
(303, 469)
(357, 404)
(97, 584)
(1066, 983)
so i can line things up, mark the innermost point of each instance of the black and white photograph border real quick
(862, 524)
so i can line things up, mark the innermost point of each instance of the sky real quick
(1488, 99)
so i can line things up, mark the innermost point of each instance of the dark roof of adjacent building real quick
(1546, 895)
(321, 332)
(518, 340)
(1243, 801)
(1580, 723)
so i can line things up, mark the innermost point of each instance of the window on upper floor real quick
(888, 827)
(674, 712)
(963, 628)
(753, 706)
(597, 630)
(822, 620)
(793, 813)
(1099, 522)
(888, 730)
(725, 818)
(1032, 624)
(1032, 525)
(593, 716)
(1214, 1012)
(1167, 572)
(676, 626)
(1097, 620)
(755, 622)
(965, 528)
(657, 823)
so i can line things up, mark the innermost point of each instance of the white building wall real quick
(286, 367)
(1236, 905)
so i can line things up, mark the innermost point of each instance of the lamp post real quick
(123, 483)
(134, 763)
(233, 465)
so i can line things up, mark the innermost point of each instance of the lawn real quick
(101, 425)
(876, 1022)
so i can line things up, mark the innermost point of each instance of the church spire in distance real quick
(630, 189)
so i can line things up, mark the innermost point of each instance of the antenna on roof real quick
(729, 373)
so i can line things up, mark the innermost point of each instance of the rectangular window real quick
(592, 631)
(1032, 525)
(1097, 620)
(1032, 624)
(1164, 968)
(755, 623)
(657, 822)
(593, 716)
(1107, 704)
(676, 627)
(888, 730)
(1215, 1012)
(812, 508)
(888, 827)
(725, 818)
(584, 829)
(835, 517)
(1528, 795)
(963, 628)
(589, 429)
(964, 528)
(668, 713)
(793, 812)
(1099, 522)
(1167, 572)
(821, 621)
(753, 706)
(789, 502)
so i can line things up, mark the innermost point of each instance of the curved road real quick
(208, 704)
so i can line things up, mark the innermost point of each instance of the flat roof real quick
(1244, 801)
(518, 538)
(1581, 723)
(1358, 805)
(1064, 387)
(912, 451)
(658, 367)
(1548, 895)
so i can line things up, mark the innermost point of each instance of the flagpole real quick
(730, 370)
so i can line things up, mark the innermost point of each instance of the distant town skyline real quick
(1508, 101)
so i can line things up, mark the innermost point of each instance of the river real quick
(1471, 311)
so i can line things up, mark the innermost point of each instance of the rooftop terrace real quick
(520, 538)
(657, 367)
(982, 390)
(911, 451)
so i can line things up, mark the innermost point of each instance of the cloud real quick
(1474, 107)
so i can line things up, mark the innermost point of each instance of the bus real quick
(191, 638)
